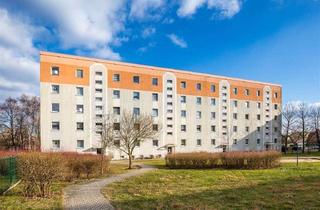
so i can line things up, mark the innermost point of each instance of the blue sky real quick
(274, 41)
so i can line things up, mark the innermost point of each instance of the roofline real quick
(150, 67)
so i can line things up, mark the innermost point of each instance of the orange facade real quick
(69, 64)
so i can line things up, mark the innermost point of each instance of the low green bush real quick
(228, 160)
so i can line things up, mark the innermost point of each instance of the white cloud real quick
(148, 32)
(19, 69)
(225, 8)
(92, 26)
(177, 41)
(146, 9)
(147, 47)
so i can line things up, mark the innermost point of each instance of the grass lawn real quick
(306, 154)
(287, 187)
(14, 199)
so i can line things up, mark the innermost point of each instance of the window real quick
(235, 128)
(55, 107)
(235, 116)
(213, 115)
(183, 113)
(258, 93)
(116, 77)
(169, 96)
(183, 142)
(155, 127)
(247, 129)
(275, 129)
(56, 144)
(213, 102)
(169, 126)
(79, 108)
(198, 115)
(136, 95)
(198, 86)
(224, 87)
(116, 110)
(98, 107)
(198, 100)
(80, 144)
(154, 96)
(98, 73)
(235, 141)
(258, 117)
(136, 111)
(198, 142)
(116, 94)
(169, 88)
(169, 81)
(99, 116)
(183, 99)
(98, 90)
(79, 73)
(99, 82)
(247, 104)
(213, 128)
(247, 116)
(79, 91)
(55, 70)
(213, 141)
(155, 81)
(235, 103)
(235, 91)
(169, 133)
(183, 84)
(247, 141)
(258, 129)
(55, 125)
(199, 128)
(98, 98)
(246, 92)
(183, 128)
(169, 111)
(258, 105)
(138, 143)
(155, 143)
(275, 140)
(213, 88)
(154, 112)
(80, 126)
(136, 79)
(276, 95)
(276, 106)
(258, 141)
(55, 89)
(116, 126)
(276, 117)
(169, 118)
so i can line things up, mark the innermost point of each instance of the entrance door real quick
(169, 150)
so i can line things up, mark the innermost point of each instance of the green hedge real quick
(228, 160)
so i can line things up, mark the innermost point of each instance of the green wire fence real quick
(8, 173)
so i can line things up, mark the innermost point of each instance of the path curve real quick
(89, 196)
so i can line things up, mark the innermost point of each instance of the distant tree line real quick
(301, 124)
(20, 123)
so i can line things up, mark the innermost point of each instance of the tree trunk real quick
(318, 138)
(130, 161)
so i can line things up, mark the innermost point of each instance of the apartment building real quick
(197, 112)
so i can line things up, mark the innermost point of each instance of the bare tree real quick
(30, 107)
(302, 117)
(288, 121)
(315, 122)
(126, 134)
(9, 111)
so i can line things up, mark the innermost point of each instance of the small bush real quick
(38, 171)
(228, 160)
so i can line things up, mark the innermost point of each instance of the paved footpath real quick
(89, 196)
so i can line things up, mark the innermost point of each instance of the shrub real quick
(38, 171)
(228, 160)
